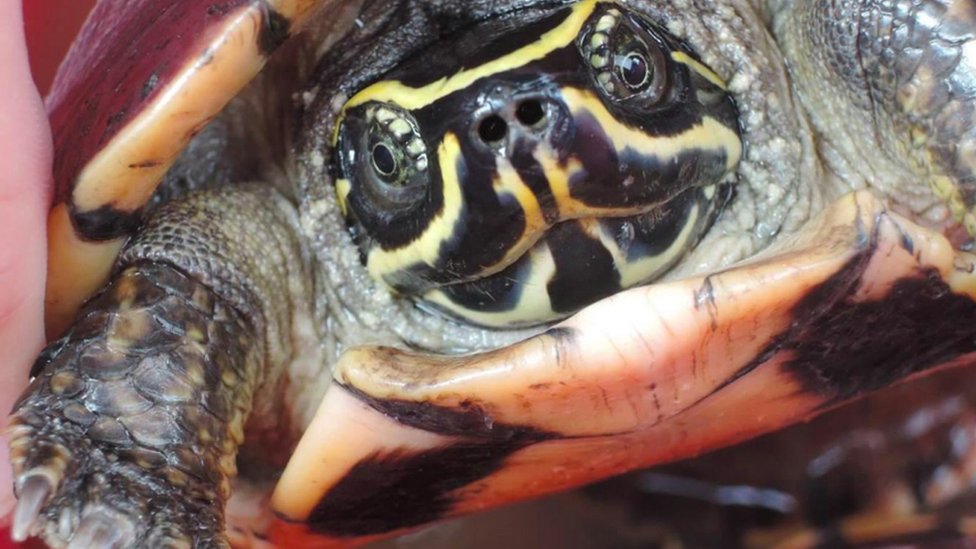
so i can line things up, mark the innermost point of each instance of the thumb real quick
(25, 166)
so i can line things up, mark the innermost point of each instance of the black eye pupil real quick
(634, 70)
(383, 160)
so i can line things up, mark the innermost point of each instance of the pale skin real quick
(25, 150)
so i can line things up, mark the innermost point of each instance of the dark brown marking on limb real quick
(274, 31)
(104, 223)
(115, 119)
(943, 535)
(821, 298)
(853, 348)
(218, 9)
(907, 243)
(145, 164)
(562, 337)
(149, 86)
(467, 419)
(207, 56)
(657, 401)
(840, 348)
(405, 489)
(705, 297)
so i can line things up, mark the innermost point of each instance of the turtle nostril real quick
(530, 112)
(492, 129)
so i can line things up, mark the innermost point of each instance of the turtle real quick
(401, 261)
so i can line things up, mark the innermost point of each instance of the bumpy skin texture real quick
(139, 410)
(895, 78)
(242, 251)
(136, 415)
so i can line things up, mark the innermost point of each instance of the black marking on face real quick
(654, 180)
(651, 234)
(585, 271)
(578, 254)
(275, 30)
(523, 141)
(104, 223)
(404, 489)
(468, 419)
(499, 292)
(466, 249)
(504, 34)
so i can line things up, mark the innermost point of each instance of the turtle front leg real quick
(890, 84)
(129, 433)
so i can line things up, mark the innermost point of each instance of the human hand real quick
(25, 166)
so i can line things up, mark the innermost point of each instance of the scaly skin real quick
(139, 411)
(892, 91)
(129, 433)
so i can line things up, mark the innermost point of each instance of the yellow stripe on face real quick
(508, 182)
(426, 249)
(707, 135)
(558, 178)
(343, 187)
(692, 64)
(392, 91)
(637, 272)
(533, 303)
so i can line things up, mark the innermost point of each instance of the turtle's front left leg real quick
(136, 415)
(128, 435)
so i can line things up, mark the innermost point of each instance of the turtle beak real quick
(861, 299)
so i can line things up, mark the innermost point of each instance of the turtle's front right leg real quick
(129, 432)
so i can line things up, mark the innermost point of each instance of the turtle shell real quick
(139, 82)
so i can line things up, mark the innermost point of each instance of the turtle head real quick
(514, 174)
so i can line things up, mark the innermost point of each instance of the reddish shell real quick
(121, 62)
(140, 81)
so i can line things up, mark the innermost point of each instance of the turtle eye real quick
(642, 71)
(627, 58)
(384, 161)
(633, 70)
(383, 153)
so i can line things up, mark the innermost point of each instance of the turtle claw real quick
(169, 537)
(35, 491)
(101, 530)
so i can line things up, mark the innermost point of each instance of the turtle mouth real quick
(538, 168)
(576, 262)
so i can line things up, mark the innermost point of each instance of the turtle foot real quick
(127, 435)
(75, 494)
